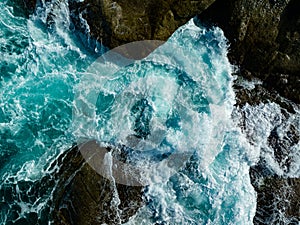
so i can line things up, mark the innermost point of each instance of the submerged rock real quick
(275, 176)
(259, 94)
(278, 197)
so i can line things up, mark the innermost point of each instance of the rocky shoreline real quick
(84, 197)
(264, 41)
(264, 35)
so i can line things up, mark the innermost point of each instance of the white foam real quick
(210, 135)
(259, 121)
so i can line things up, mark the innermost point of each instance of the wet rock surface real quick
(277, 197)
(264, 40)
(114, 23)
(275, 177)
(82, 196)
(79, 196)
(260, 94)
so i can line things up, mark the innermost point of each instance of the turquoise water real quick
(38, 70)
(180, 98)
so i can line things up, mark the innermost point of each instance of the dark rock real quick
(114, 23)
(82, 196)
(264, 39)
(264, 35)
(282, 146)
(260, 94)
(22, 8)
(278, 198)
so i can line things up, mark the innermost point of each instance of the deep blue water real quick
(179, 99)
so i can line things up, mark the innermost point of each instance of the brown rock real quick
(118, 22)
(82, 196)
(264, 38)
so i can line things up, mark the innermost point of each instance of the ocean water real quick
(179, 99)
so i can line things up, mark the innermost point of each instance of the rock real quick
(282, 146)
(278, 198)
(264, 40)
(114, 23)
(79, 195)
(264, 35)
(22, 7)
(82, 196)
(259, 94)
